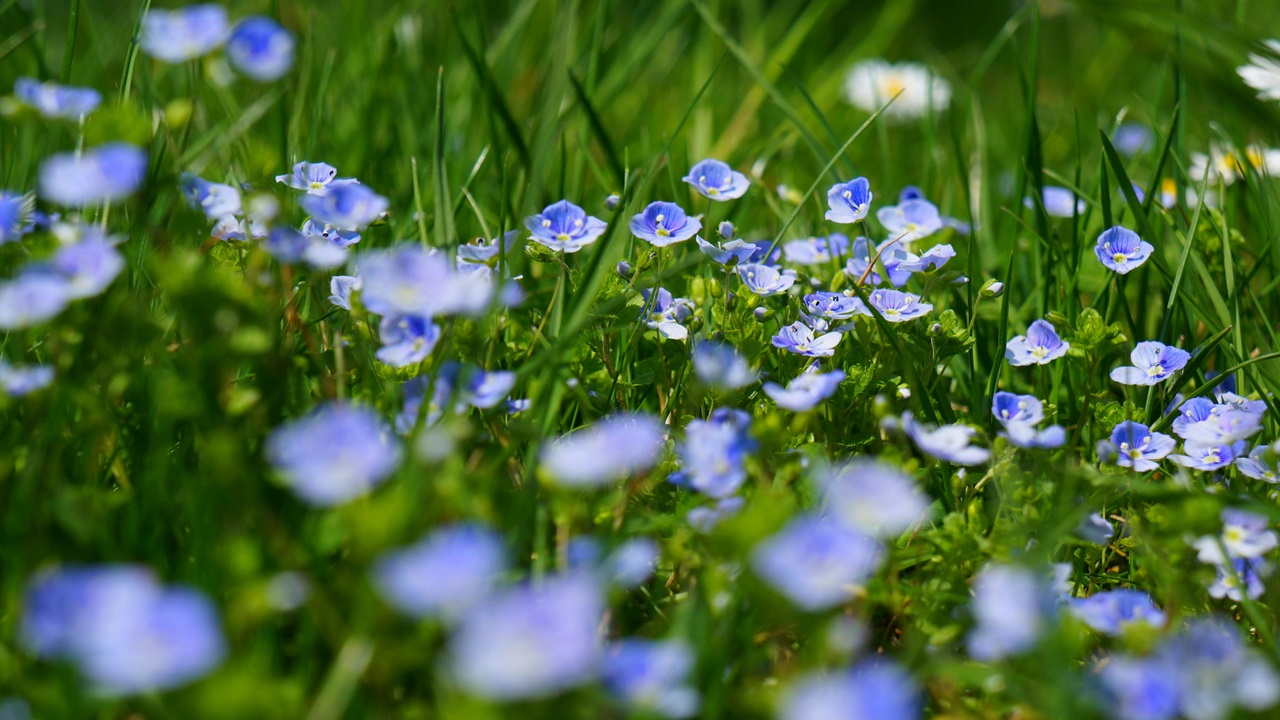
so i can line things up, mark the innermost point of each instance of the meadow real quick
(670, 359)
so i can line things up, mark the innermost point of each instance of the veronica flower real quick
(873, 690)
(1208, 456)
(1059, 202)
(291, 246)
(948, 442)
(1041, 345)
(872, 83)
(32, 298)
(1191, 412)
(1240, 579)
(1111, 611)
(1142, 688)
(340, 289)
(721, 366)
(333, 455)
(17, 380)
(872, 497)
(799, 339)
(716, 180)
(732, 252)
(260, 48)
(765, 280)
(1244, 535)
(816, 563)
(902, 264)
(605, 452)
(1263, 73)
(230, 228)
(1153, 362)
(816, 250)
(1263, 463)
(103, 174)
(806, 391)
(56, 101)
(664, 223)
(667, 314)
(713, 454)
(652, 676)
(176, 36)
(347, 207)
(896, 306)
(849, 202)
(314, 178)
(444, 573)
(911, 221)
(530, 641)
(406, 339)
(1226, 427)
(14, 210)
(214, 199)
(1137, 447)
(834, 306)
(704, 519)
(1012, 607)
(1010, 408)
(632, 563)
(1132, 138)
(1121, 250)
(859, 264)
(486, 252)
(412, 280)
(89, 266)
(565, 227)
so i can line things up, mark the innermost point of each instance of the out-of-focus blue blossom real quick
(873, 497)
(1059, 202)
(652, 676)
(1263, 463)
(816, 563)
(1096, 529)
(716, 180)
(704, 519)
(260, 48)
(123, 631)
(19, 380)
(333, 455)
(1132, 138)
(806, 391)
(1216, 671)
(816, 250)
(1012, 607)
(604, 452)
(444, 573)
(1224, 428)
(1142, 688)
(1121, 250)
(766, 280)
(330, 234)
(14, 708)
(719, 365)
(911, 221)
(214, 199)
(175, 36)
(850, 201)
(1240, 579)
(14, 210)
(57, 101)
(731, 252)
(485, 389)
(949, 443)
(290, 246)
(103, 174)
(1135, 446)
(1208, 456)
(858, 266)
(565, 227)
(872, 690)
(1041, 345)
(1008, 408)
(1153, 362)
(667, 314)
(340, 289)
(530, 641)
(664, 223)
(1195, 410)
(1111, 611)
(611, 201)
(799, 339)
(233, 229)
(896, 306)
(1244, 535)
(88, 266)
(486, 252)
(834, 306)
(314, 178)
(412, 280)
(1029, 437)
(347, 207)
(632, 563)
(713, 453)
(32, 298)
(406, 339)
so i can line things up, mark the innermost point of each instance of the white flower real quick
(1227, 163)
(1263, 73)
(872, 83)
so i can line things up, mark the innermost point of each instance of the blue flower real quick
(834, 306)
(1111, 611)
(19, 380)
(1121, 250)
(565, 227)
(412, 280)
(664, 223)
(335, 454)
(816, 250)
(816, 563)
(14, 210)
(530, 641)
(799, 339)
(485, 389)
(1040, 346)
(859, 265)
(872, 690)
(632, 563)
(406, 339)
(486, 252)
(652, 676)
(1191, 412)
(726, 230)
(1019, 414)
(872, 497)
(732, 252)
(1142, 688)
(1224, 427)
(1137, 447)
(175, 36)
(89, 265)
(716, 180)
(1096, 529)
(1058, 202)
(1208, 456)
(347, 207)
(902, 264)
(806, 391)
(1012, 607)
(103, 174)
(233, 229)
(32, 298)
(605, 452)
(314, 178)
(260, 48)
(1132, 138)
(720, 366)
(57, 101)
(911, 221)
(667, 314)
(1244, 535)
(1153, 362)
(1263, 463)
(291, 246)
(334, 236)
(1240, 579)
(124, 632)
(849, 202)
(214, 199)
(898, 306)
(714, 452)
(766, 280)
(340, 289)
(704, 519)
(444, 573)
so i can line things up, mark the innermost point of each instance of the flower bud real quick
(727, 230)
(612, 201)
(992, 289)
(624, 269)
(762, 313)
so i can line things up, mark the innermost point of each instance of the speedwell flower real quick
(664, 223)
(1059, 202)
(565, 227)
(799, 339)
(871, 690)
(766, 280)
(176, 36)
(850, 201)
(607, 451)
(719, 365)
(949, 443)
(214, 199)
(314, 178)
(806, 391)
(1121, 250)
(1012, 607)
(32, 298)
(1039, 346)
(1263, 463)
(1244, 535)
(444, 573)
(667, 314)
(716, 180)
(406, 339)
(333, 455)
(57, 101)
(1111, 611)
(732, 252)
(873, 497)
(816, 250)
(350, 206)
(834, 306)
(103, 174)
(898, 306)
(713, 453)
(652, 676)
(1153, 362)
(816, 562)
(19, 380)
(1137, 447)
(911, 221)
(1208, 456)
(260, 48)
